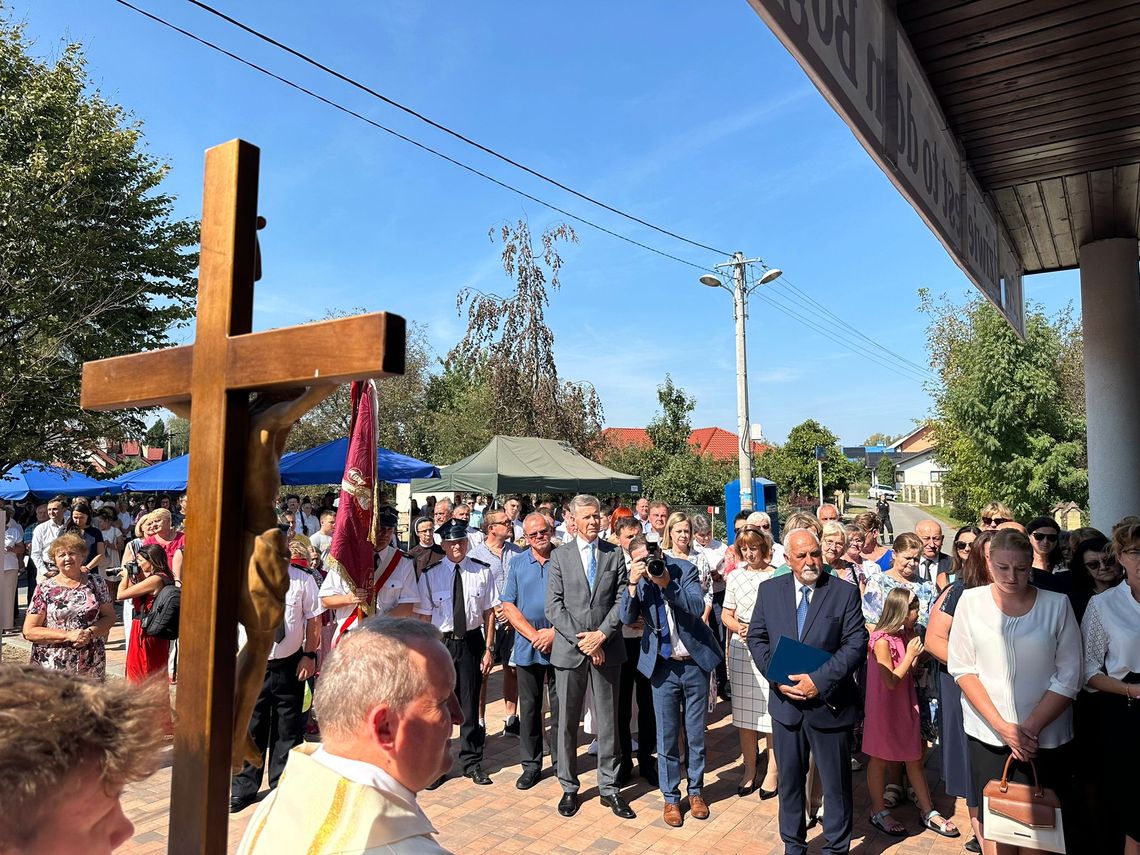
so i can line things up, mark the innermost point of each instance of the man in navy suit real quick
(816, 712)
(678, 652)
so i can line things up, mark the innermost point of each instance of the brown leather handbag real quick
(1022, 815)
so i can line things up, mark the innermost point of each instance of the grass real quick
(942, 513)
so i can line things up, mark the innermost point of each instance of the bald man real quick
(932, 560)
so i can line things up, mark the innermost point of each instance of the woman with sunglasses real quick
(993, 515)
(963, 545)
(1049, 571)
(1095, 570)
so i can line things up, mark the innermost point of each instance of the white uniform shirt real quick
(42, 538)
(1112, 634)
(302, 603)
(13, 534)
(400, 588)
(305, 524)
(478, 590)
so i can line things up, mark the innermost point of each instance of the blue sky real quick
(690, 116)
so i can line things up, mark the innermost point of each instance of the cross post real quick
(215, 376)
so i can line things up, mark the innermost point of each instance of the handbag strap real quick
(1038, 790)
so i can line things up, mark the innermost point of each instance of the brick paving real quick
(500, 818)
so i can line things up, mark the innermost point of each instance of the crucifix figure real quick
(245, 394)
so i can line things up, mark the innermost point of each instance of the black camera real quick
(654, 563)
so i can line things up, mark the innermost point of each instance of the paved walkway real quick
(500, 818)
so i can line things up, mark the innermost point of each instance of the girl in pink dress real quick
(891, 730)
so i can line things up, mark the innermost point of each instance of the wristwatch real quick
(312, 654)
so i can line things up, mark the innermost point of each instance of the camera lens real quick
(655, 566)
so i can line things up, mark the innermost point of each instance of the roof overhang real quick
(1011, 126)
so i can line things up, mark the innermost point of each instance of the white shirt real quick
(584, 554)
(126, 521)
(714, 554)
(42, 538)
(400, 588)
(13, 534)
(435, 593)
(366, 775)
(302, 604)
(475, 537)
(322, 543)
(305, 524)
(1112, 634)
(1017, 659)
(679, 649)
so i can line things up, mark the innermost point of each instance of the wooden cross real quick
(217, 373)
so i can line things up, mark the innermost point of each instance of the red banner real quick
(353, 547)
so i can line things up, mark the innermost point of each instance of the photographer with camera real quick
(678, 652)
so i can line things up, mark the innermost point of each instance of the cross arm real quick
(323, 353)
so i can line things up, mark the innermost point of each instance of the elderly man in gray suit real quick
(583, 600)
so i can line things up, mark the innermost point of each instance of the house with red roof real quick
(716, 442)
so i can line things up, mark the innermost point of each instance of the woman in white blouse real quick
(1015, 652)
(1112, 667)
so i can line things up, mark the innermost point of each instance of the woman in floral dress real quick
(70, 613)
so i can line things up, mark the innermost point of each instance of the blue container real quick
(763, 499)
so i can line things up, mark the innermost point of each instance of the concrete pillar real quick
(1110, 308)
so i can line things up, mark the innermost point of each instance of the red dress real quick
(146, 654)
(890, 724)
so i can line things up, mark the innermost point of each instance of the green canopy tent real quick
(520, 464)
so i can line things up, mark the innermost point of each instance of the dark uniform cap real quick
(387, 517)
(452, 530)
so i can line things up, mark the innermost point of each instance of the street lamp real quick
(740, 294)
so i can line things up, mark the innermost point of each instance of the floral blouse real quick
(879, 585)
(71, 608)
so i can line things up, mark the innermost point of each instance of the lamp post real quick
(740, 292)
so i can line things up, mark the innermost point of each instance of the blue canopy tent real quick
(325, 465)
(169, 475)
(40, 480)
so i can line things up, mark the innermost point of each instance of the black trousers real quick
(467, 656)
(633, 680)
(832, 752)
(532, 678)
(276, 724)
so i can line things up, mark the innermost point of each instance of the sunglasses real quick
(963, 544)
(1094, 566)
(994, 520)
(1039, 536)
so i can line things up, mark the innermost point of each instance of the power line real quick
(406, 139)
(440, 127)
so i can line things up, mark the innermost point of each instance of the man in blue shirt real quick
(524, 600)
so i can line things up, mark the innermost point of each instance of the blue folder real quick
(794, 657)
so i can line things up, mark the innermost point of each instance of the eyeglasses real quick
(542, 532)
(963, 544)
(1040, 535)
(994, 520)
(1094, 566)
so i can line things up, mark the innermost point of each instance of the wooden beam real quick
(336, 351)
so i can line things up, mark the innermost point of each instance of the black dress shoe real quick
(240, 803)
(476, 774)
(435, 785)
(617, 804)
(528, 779)
(972, 845)
(746, 791)
(568, 804)
(768, 794)
(813, 821)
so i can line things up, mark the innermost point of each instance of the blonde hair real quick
(832, 527)
(69, 541)
(1125, 535)
(895, 609)
(755, 538)
(801, 520)
(993, 509)
(53, 724)
(675, 518)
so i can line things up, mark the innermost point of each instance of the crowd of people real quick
(1018, 641)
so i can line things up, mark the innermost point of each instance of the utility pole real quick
(740, 292)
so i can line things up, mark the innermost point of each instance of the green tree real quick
(1007, 422)
(879, 439)
(885, 471)
(670, 469)
(178, 434)
(92, 262)
(457, 401)
(156, 435)
(792, 466)
(510, 335)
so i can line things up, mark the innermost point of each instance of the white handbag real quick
(1022, 815)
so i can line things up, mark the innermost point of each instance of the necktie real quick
(592, 565)
(665, 647)
(458, 604)
(802, 610)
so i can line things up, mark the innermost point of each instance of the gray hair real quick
(758, 518)
(788, 535)
(447, 503)
(583, 500)
(371, 666)
(700, 523)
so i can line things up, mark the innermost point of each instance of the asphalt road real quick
(905, 517)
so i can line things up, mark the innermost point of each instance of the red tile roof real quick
(716, 442)
(153, 454)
